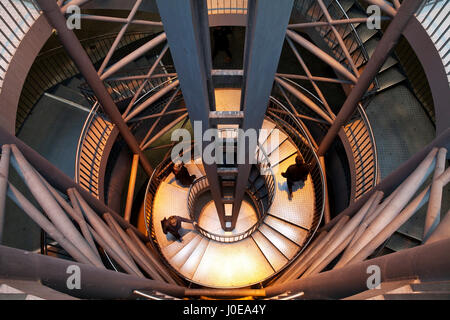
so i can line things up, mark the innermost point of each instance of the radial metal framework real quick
(356, 232)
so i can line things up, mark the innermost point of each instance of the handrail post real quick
(131, 186)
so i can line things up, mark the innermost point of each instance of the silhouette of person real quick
(182, 174)
(296, 172)
(173, 225)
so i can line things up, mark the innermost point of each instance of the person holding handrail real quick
(182, 174)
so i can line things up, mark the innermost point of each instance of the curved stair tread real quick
(300, 209)
(287, 247)
(175, 246)
(276, 259)
(275, 139)
(181, 256)
(283, 154)
(290, 231)
(190, 266)
(237, 265)
(209, 221)
(165, 207)
(267, 128)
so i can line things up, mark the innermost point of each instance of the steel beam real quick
(95, 283)
(430, 262)
(73, 46)
(59, 179)
(266, 31)
(131, 186)
(393, 180)
(332, 22)
(4, 170)
(382, 52)
(186, 27)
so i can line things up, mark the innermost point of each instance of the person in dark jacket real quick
(296, 172)
(173, 225)
(182, 174)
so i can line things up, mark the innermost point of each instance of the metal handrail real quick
(311, 10)
(92, 141)
(55, 66)
(227, 6)
(434, 21)
(362, 144)
(298, 135)
(366, 159)
(17, 21)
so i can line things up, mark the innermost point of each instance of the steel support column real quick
(95, 283)
(186, 26)
(59, 179)
(430, 262)
(393, 180)
(382, 51)
(79, 56)
(266, 30)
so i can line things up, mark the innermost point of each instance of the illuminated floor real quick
(249, 261)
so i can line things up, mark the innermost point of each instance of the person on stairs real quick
(173, 225)
(296, 172)
(182, 174)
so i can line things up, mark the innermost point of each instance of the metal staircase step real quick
(71, 94)
(267, 127)
(191, 264)
(398, 242)
(176, 246)
(370, 46)
(347, 4)
(289, 230)
(11, 289)
(286, 246)
(236, 265)
(285, 151)
(389, 78)
(183, 255)
(365, 33)
(354, 12)
(276, 259)
(274, 141)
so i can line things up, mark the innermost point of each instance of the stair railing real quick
(201, 185)
(434, 17)
(97, 130)
(16, 18)
(227, 6)
(312, 12)
(360, 148)
(287, 121)
(364, 152)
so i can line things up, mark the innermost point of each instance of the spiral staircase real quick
(107, 220)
